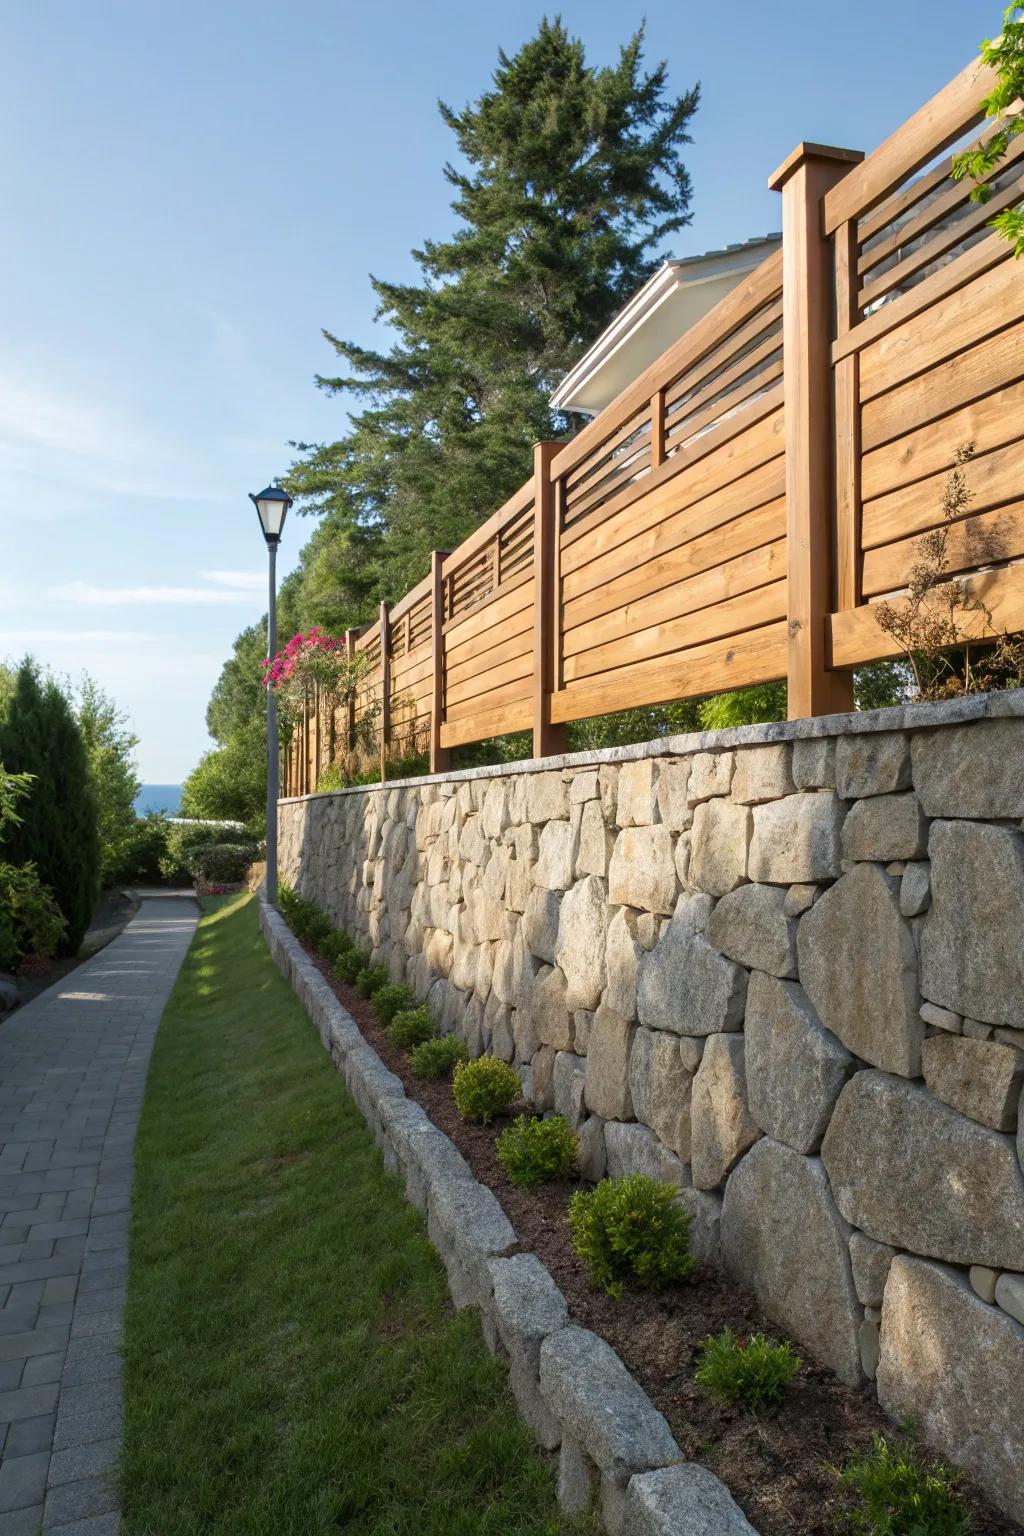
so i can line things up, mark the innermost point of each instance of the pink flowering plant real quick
(315, 667)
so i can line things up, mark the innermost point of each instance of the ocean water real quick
(158, 797)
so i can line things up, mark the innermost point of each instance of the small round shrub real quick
(484, 1087)
(631, 1231)
(753, 1372)
(335, 945)
(391, 999)
(370, 980)
(349, 965)
(437, 1057)
(222, 863)
(533, 1151)
(410, 1027)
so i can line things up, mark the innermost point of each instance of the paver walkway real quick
(72, 1070)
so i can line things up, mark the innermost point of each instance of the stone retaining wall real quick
(615, 1450)
(783, 968)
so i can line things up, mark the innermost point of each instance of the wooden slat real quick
(686, 428)
(440, 758)
(628, 574)
(547, 737)
(489, 680)
(516, 594)
(516, 632)
(627, 472)
(987, 423)
(937, 125)
(764, 283)
(993, 477)
(508, 693)
(977, 217)
(755, 657)
(680, 594)
(988, 538)
(469, 662)
(846, 427)
(420, 593)
(598, 462)
(749, 610)
(491, 722)
(491, 528)
(981, 258)
(982, 370)
(726, 454)
(855, 638)
(703, 373)
(993, 300)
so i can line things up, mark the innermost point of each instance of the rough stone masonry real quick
(780, 967)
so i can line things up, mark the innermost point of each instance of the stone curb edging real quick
(571, 1388)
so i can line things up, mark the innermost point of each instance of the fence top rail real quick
(421, 590)
(937, 125)
(517, 502)
(764, 283)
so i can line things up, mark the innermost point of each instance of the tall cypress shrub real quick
(59, 833)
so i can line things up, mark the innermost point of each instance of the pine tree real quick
(58, 833)
(570, 179)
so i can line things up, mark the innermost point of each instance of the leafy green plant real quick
(899, 1492)
(1004, 54)
(534, 1151)
(370, 980)
(350, 966)
(484, 1087)
(31, 923)
(751, 1371)
(390, 1000)
(223, 863)
(631, 1231)
(437, 1057)
(335, 945)
(410, 1027)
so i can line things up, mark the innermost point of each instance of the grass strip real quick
(292, 1361)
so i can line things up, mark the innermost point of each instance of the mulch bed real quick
(778, 1469)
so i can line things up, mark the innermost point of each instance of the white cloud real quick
(243, 581)
(90, 594)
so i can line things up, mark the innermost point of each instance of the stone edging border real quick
(571, 1387)
(902, 717)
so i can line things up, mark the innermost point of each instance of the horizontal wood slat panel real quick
(987, 423)
(755, 657)
(470, 663)
(511, 693)
(993, 478)
(500, 608)
(986, 305)
(678, 596)
(492, 722)
(855, 638)
(732, 617)
(985, 539)
(488, 680)
(969, 376)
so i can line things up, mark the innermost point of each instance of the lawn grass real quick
(292, 1361)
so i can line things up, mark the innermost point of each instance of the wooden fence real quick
(735, 514)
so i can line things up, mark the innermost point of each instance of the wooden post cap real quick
(805, 152)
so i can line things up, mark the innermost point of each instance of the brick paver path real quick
(72, 1070)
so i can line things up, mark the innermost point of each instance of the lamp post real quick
(272, 508)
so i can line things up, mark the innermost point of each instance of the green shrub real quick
(410, 1026)
(438, 1056)
(535, 1151)
(631, 1230)
(755, 1373)
(58, 832)
(143, 853)
(31, 923)
(370, 980)
(223, 863)
(335, 945)
(391, 999)
(900, 1493)
(483, 1088)
(350, 965)
(186, 838)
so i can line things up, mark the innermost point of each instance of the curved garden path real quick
(72, 1071)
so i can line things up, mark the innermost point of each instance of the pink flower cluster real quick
(301, 649)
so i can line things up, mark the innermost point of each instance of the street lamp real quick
(272, 509)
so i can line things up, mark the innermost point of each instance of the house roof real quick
(668, 304)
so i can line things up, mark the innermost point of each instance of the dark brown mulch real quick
(779, 1469)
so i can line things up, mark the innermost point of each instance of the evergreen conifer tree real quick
(58, 832)
(570, 178)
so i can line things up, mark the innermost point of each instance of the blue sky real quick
(191, 190)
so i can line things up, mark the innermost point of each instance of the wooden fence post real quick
(385, 688)
(350, 727)
(547, 738)
(440, 757)
(807, 288)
